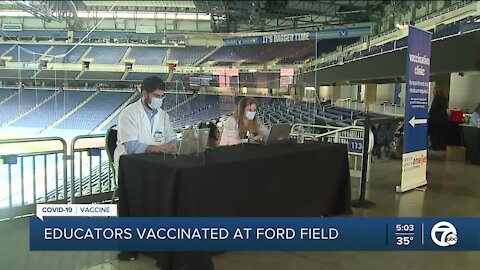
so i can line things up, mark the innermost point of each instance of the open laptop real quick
(278, 133)
(193, 141)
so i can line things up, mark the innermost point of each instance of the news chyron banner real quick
(253, 234)
(415, 138)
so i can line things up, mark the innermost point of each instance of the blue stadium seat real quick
(95, 111)
(106, 54)
(53, 109)
(4, 93)
(147, 56)
(27, 52)
(4, 48)
(188, 55)
(401, 42)
(22, 102)
(449, 30)
(114, 121)
(139, 76)
(387, 46)
(72, 57)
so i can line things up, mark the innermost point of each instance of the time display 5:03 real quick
(405, 227)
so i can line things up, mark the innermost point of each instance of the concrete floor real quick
(453, 190)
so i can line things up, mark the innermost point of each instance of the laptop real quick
(193, 141)
(278, 133)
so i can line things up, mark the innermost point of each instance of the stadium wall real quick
(457, 54)
(464, 92)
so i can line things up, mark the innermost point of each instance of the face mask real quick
(250, 115)
(156, 103)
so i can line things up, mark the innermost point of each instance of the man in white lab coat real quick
(143, 127)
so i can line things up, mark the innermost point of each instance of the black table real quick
(454, 133)
(471, 141)
(280, 180)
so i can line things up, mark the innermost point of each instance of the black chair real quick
(110, 145)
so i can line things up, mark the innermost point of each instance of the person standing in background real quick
(475, 118)
(438, 120)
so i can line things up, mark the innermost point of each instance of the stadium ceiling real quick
(268, 15)
(171, 4)
(226, 15)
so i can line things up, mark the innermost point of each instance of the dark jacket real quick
(438, 110)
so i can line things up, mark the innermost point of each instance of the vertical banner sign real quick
(414, 162)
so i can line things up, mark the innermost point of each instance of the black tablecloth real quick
(454, 133)
(279, 180)
(247, 180)
(471, 141)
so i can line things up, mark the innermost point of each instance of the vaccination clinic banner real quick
(415, 138)
(82, 227)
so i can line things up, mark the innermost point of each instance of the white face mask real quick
(156, 103)
(250, 115)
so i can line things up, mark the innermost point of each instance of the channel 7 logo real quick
(444, 234)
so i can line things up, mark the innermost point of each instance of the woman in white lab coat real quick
(143, 127)
(243, 125)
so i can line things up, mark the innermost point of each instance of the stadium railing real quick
(343, 135)
(382, 108)
(32, 176)
(45, 170)
(88, 179)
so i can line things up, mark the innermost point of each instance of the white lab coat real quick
(230, 132)
(134, 124)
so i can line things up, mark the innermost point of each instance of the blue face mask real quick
(250, 115)
(156, 103)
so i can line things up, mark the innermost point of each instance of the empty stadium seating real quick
(188, 55)
(183, 114)
(114, 121)
(139, 76)
(4, 48)
(95, 111)
(72, 57)
(470, 23)
(100, 75)
(106, 54)
(302, 112)
(57, 74)
(52, 110)
(171, 101)
(285, 52)
(22, 102)
(259, 53)
(203, 107)
(27, 52)
(467, 24)
(4, 93)
(147, 56)
(178, 82)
